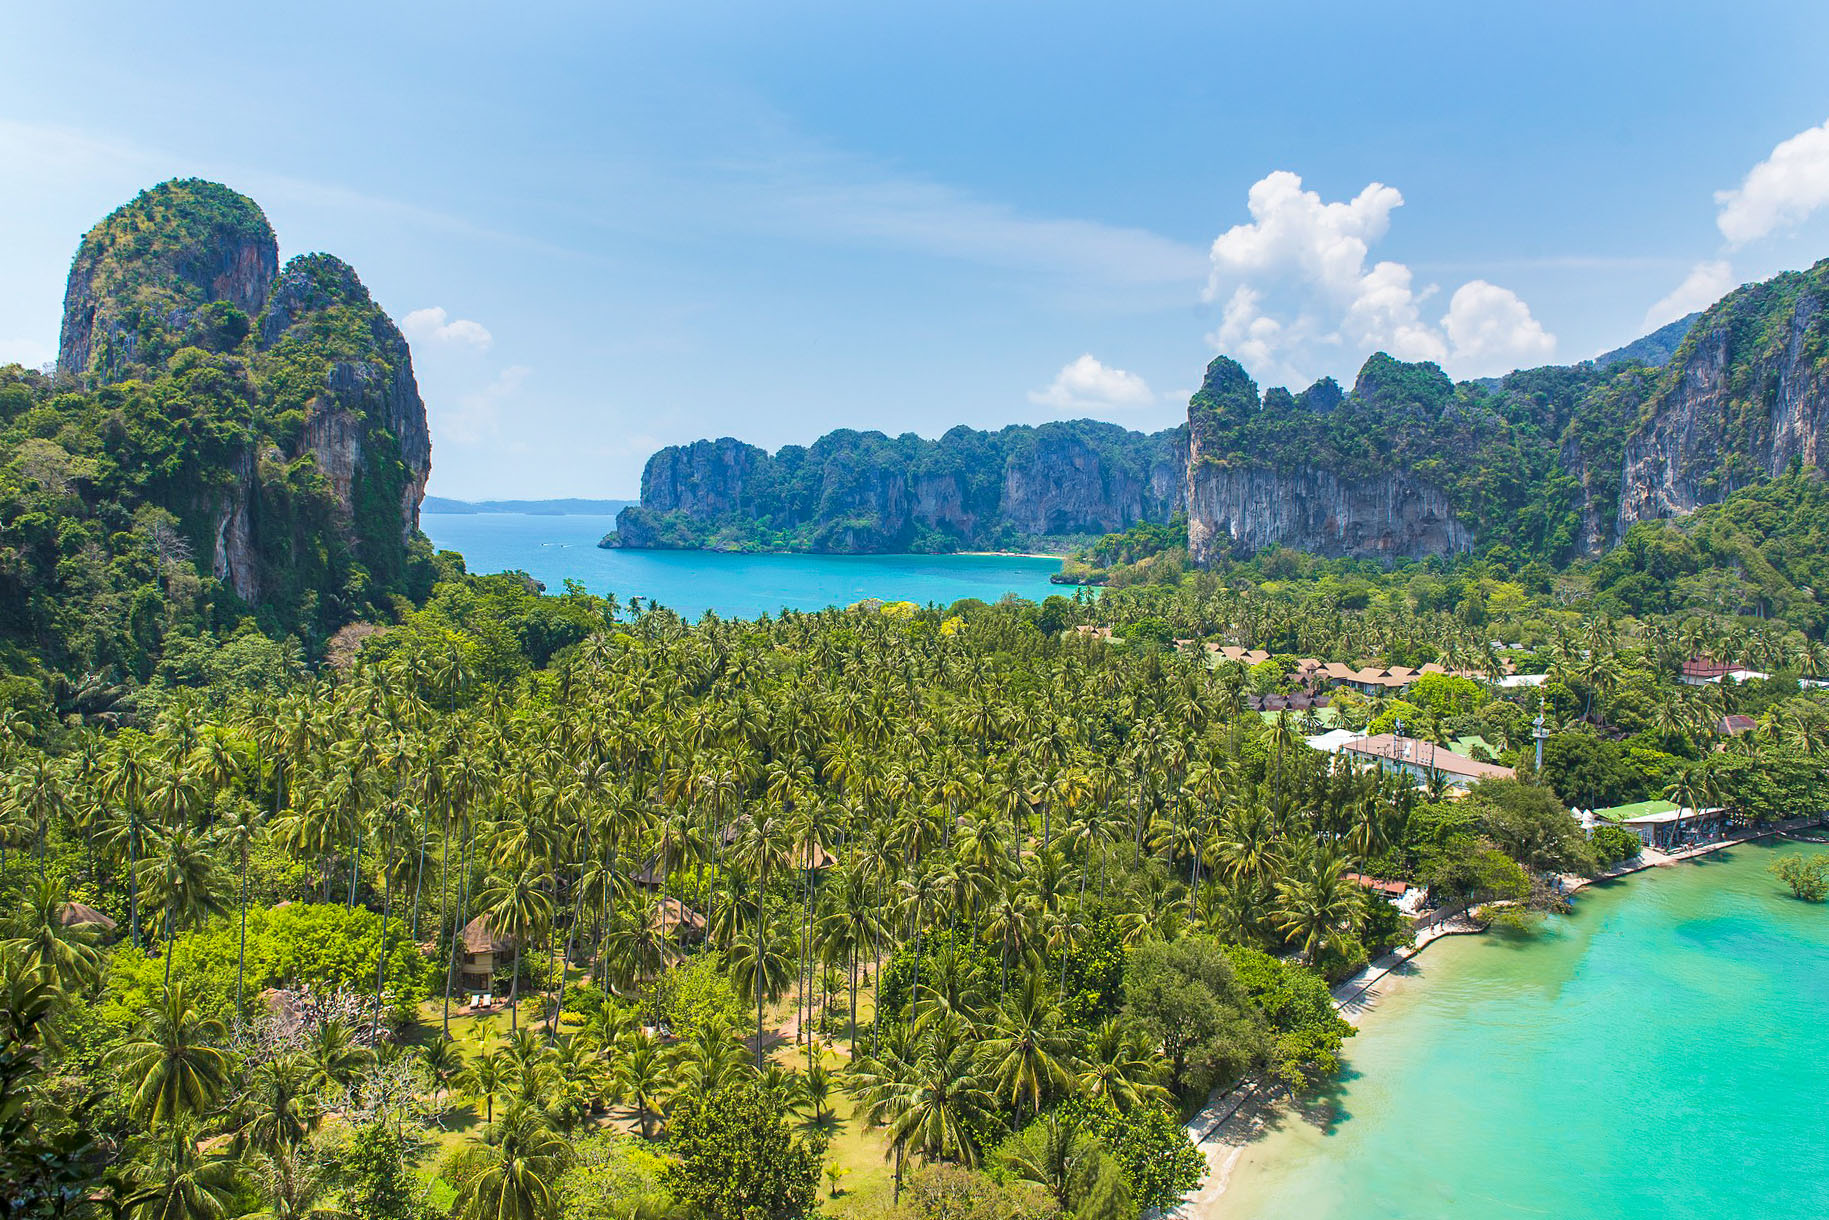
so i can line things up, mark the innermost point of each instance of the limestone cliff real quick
(1745, 396)
(310, 387)
(868, 492)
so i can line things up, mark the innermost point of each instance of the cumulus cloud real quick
(1706, 283)
(1087, 384)
(1780, 192)
(436, 326)
(477, 418)
(1491, 331)
(1302, 296)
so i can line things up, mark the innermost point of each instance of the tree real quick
(1183, 997)
(518, 1181)
(1807, 876)
(739, 1161)
(176, 1182)
(173, 1065)
(374, 1168)
(1067, 1158)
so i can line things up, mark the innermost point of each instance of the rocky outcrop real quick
(142, 276)
(1744, 397)
(1241, 509)
(340, 441)
(866, 492)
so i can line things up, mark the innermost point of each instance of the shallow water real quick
(1656, 1054)
(553, 549)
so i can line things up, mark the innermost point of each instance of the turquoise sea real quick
(554, 549)
(1658, 1054)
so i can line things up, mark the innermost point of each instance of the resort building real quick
(673, 918)
(1661, 823)
(482, 946)
(1423, 760)
(1699, 671)
(76, 915)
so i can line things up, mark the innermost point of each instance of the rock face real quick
(1241, 509)
(867, 492)
(1238, 504)
(339, 442)
(1546, 463)
(1740, 403)
(141, 277)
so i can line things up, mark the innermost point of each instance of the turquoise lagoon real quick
(553, 549)
(1659, 1053)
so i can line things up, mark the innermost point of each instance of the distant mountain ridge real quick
(442, 505)
(1551, 463)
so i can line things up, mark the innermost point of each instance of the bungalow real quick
(76, 915)
(1734, 724)
(673, 917)
(482, 945)
(1700, 671)
(1423, 759)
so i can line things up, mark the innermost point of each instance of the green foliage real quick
(694, 996)
(1806, 876)
(373, 1165)
(614, 1177)
(738, 1160)
(1306, 1032)
(1612, 845)
(1184, 997)
(940, 1191)
(1160, 1163)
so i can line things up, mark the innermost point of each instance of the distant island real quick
(1550, 465)
(535, 508)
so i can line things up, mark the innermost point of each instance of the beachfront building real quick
(1661, 823)
(1422, 760)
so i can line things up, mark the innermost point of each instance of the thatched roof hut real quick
(75, 914)
(480, 937)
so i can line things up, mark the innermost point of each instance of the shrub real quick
(1808, 876)
(1611, 845)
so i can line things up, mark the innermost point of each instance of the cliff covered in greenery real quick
(867, 492)
(225, 444)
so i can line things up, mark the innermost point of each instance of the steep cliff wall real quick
(1235, 509)
(1243, 501)
(868, 492)
(1744, 397)
(307, 383)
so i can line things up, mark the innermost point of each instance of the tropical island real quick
(339, 880)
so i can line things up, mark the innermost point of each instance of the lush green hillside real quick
(192, 470)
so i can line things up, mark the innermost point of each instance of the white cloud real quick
(1491, 331)
(1087, 384)
(435, 325)
(1780, 192)
(477, 418)
(1300, 298)
(1706, 283)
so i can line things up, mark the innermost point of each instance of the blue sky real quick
(609, 228)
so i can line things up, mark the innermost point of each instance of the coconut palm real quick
(516, 1182)
(173, 1061)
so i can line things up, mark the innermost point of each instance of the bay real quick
(1658, 1053)
(554, 549)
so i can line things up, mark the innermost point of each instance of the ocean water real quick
(1659, 1053)
(555, 549)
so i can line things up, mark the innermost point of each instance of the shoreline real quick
(1011, 555)
(1230, 1123)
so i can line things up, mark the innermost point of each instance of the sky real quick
(607, 228)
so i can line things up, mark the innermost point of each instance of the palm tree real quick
(930, 1102)
(173, 1062)
(176, 1182)
(1032, 1055)
(279, 1107)
(180, 876)
(640, 1078)
(44, 942)
(517, 907)
(517, 1182)
(1120, 1068)
(1315, 902)
(762, 847)
(483, 1077)
(443, 1063)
